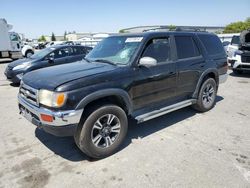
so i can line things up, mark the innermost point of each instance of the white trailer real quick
(10, 42)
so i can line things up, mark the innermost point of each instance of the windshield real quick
(42, 53)
(117, 50)
(236, 40)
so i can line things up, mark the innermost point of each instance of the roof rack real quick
(167, 28)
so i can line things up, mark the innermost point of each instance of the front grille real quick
(245, 59)
(29, 94)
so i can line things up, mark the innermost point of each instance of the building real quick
(58, 38)
(213, 29)
(227, 36)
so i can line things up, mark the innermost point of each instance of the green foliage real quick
(122, 31)
(42, 39)
(53, 38)
(172, 27)
(237, 27)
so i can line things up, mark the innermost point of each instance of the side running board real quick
(165, 110)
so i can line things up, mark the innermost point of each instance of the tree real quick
(172, 27)
(53, 38)
(237, 27)
(42, 39)
(65, 35)
(122, 31)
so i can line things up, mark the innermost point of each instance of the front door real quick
(153, 85)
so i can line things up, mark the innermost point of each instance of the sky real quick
(35, 17)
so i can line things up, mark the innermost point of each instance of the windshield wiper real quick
(104, 61)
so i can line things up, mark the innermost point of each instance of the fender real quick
(203, 75)
(105, 93)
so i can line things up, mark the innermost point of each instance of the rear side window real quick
(186, 47)
(212, 44)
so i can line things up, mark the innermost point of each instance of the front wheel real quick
(29, 53)
(102, 132)
(207, 96)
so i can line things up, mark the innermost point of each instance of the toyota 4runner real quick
(142, 76)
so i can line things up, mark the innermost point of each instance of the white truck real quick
(11, 44)
(239, 52)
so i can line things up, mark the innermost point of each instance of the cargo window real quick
(186, 47)
(212, 44)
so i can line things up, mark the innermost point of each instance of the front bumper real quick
(12, 76)
(64, 122)
(239, 65)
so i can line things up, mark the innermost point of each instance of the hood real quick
(245, 37)
(20, 62)
(52, 77)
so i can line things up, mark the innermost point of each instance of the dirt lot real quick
(181, 149)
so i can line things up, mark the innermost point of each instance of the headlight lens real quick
(20, 66)
(51, 99)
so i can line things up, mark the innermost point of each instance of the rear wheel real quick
(207, 96)
(102, 131)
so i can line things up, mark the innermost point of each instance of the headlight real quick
(51, 99)
(237, 52)
(20, 67)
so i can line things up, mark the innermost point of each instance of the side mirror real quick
(147, 61)
(51, 59)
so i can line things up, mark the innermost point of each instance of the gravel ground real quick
(181, 149)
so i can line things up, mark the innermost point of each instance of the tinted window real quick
(212, 44)
(63, 52)
(79, 51)
(236, 40)
(186, 47)
(158, 49)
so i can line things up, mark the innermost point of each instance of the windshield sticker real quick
(134, 39)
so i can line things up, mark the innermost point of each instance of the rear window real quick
(186, 47)
(212, 44)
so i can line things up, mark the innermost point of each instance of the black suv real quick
(142, 75)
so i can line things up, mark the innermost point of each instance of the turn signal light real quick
(60, 99)
(47, 118)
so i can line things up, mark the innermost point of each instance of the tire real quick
(235, 71)
(29, 53)
(104, 139)
(207, 96)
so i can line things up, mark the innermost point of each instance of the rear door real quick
(190, 64)
(78, 54)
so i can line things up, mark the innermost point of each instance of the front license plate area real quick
(25, 113)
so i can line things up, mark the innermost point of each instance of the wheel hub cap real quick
(105, 130)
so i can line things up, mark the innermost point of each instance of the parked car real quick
(47, 57)
(143, 76)
(239, 52)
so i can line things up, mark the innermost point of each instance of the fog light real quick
(47, 118)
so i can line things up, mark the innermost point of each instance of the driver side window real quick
(60, 53)
(158, 49)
